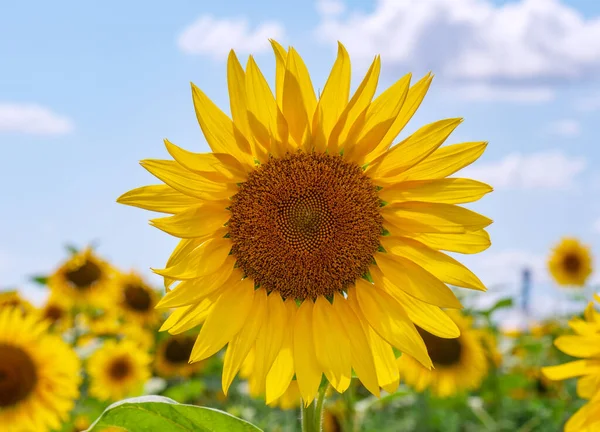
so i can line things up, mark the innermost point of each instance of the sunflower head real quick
(138, 299)
(57, 311)
(85, 279)
(39, 374)
(459, 363)
(118, 370)
(12, 299)
(172, 357)
(570, 263)
(306, 224)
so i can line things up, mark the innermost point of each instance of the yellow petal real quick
(383, 355)
(437, 263)
(582, 327)
(571, 369)
(188, 317)
(387, 317)
(186, 181)
(299, 99)
(181, 251)
(357, 105)
(429, 317)
(380, 116)
(333, 99)
(203, 260)
(443, 162)
(412, 150)
(332, 346)
(433, 217)
(308, 372)
(280, 60)
(579, 346)
(225, 320)
(586, 419)
(588, 386)
(265, 119)
(467, 243)
(160, 198)
(405, 275)
(201, 221)
(216, 167)
(282, 371)
(270, 338)
(236, 84)
(193, 290)
(449, 191)
(360, 350)
(415, 96)
(221, 134)
(240, 345)
(195, 315)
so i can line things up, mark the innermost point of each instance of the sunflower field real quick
(316, 285)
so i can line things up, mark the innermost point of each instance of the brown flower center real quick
(138, 298)
(84, 276)
(18, 375)
(305, 225)
(53, 313)
(443, 352)
(120, 368)
(572, 263)
(178, 350)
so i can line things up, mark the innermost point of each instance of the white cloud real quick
(568, 128)
(216, 37)
(544, 170)
(517, 44)
(506, 267)
(492, 93)
(32, 119)
(330, 7)
(588, 103)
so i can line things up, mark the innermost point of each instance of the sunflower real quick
(12, 299)
(584, 344)
(57, 312)
(459, 364)
(110, 325)
(570, 263)
(118, 370)
(85, 279)
(39, 375)
(172, 355)
(306, 236)
(138, 299)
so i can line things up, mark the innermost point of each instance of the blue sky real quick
(87, 90)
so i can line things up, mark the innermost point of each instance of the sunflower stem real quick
(312, 415)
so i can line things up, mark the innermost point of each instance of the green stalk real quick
(312, 415)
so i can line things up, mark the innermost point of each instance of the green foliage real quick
(40, 280)
(156, 413)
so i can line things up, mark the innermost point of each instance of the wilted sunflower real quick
(458, 364)
(118, 370)
(12, 299)
(570, 263)
(85, 279)
(39, 375)
(306, 236)
(172, 357)
(585, 344)
(137, 299)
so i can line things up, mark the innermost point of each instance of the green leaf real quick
(157, 413)
(500, 304)
(71, 249)
(40, 280)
